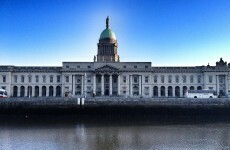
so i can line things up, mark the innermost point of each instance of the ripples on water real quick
(113, 132)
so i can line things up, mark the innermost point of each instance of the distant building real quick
(107, 76)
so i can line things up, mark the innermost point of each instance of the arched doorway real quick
(51, 91)
(177, 91)
(155, 91)
(162, 91)
(199, 88)
(184, 90)
(106, 90)
(43, 91)
(58, 91)
(29, 91)
(36, 92)
(170, 91)
(192, 88)
(22, 91)
(15, 91)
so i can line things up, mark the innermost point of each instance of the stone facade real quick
(107, 76)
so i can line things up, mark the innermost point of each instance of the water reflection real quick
(105, 135)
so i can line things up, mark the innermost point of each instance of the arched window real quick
(15, 91)
(51, 91)
(192, 88)
(177, 91)
(58, 91)
(22, 91)
(43, 91)
(170, 91)
(36, 94)
(199, 88)
(155, 91)
(162, 91)
(184, 90)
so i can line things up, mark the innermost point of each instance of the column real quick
(19, 91)
(166, 91)
(226, 85)
(118, 85)
(33, 91)
(102, 84)
(26, 93)
(54, 94)
(47, 91)
(159, 91)
(40, 91)
(110, 85)
(140, 85)
(73, 85)
(173, 91)
(94, 84)
(181, 91)
(82, 85)
(217, 84)
(130, 86)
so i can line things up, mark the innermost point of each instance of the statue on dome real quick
(107, 22)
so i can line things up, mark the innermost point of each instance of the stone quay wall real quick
(81, 103)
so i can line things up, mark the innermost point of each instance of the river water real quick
(111, 133)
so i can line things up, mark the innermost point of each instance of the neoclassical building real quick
(108, 76)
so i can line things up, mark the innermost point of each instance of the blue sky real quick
(164, 32)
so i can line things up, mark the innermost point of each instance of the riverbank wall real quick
(116, 105)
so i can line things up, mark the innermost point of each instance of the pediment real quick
(107, 68)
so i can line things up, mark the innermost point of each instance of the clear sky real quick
(164, 32)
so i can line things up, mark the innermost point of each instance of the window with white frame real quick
(15, 78)
(124, 79)
(146, 79)
(37, 78)
(162, 79)
(3, 78)
(22, 79)
(184, 79)
(155, 79)
(58, 79)
(177, 78)
(169, 79)
(67, 79)
(44, 79)
(199, 79)
(210, 78)
(191, 79)
(51, 79)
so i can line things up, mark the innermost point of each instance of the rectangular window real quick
(51, 79)
(114, 80)
(124, 66)
(99, 80)
(177, 79)
(135, 79)
(89, 66)
(15, 79)
(3, 87)
(170, 79)
(124, 79)
(124, 90)
(184, 79)
(199, 79)
(155, 79)
(162, 79)
(67, 79)
(78, 66)
(37, 78)
(58, 79)
(135, 66)
(88, 79)
(146, 67)
(146, 79)
(44, 79)
(210, 79)
(3, 78)
(22, 79)
(191, 79)
(29, 78)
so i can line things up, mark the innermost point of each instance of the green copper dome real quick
(107, 33)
